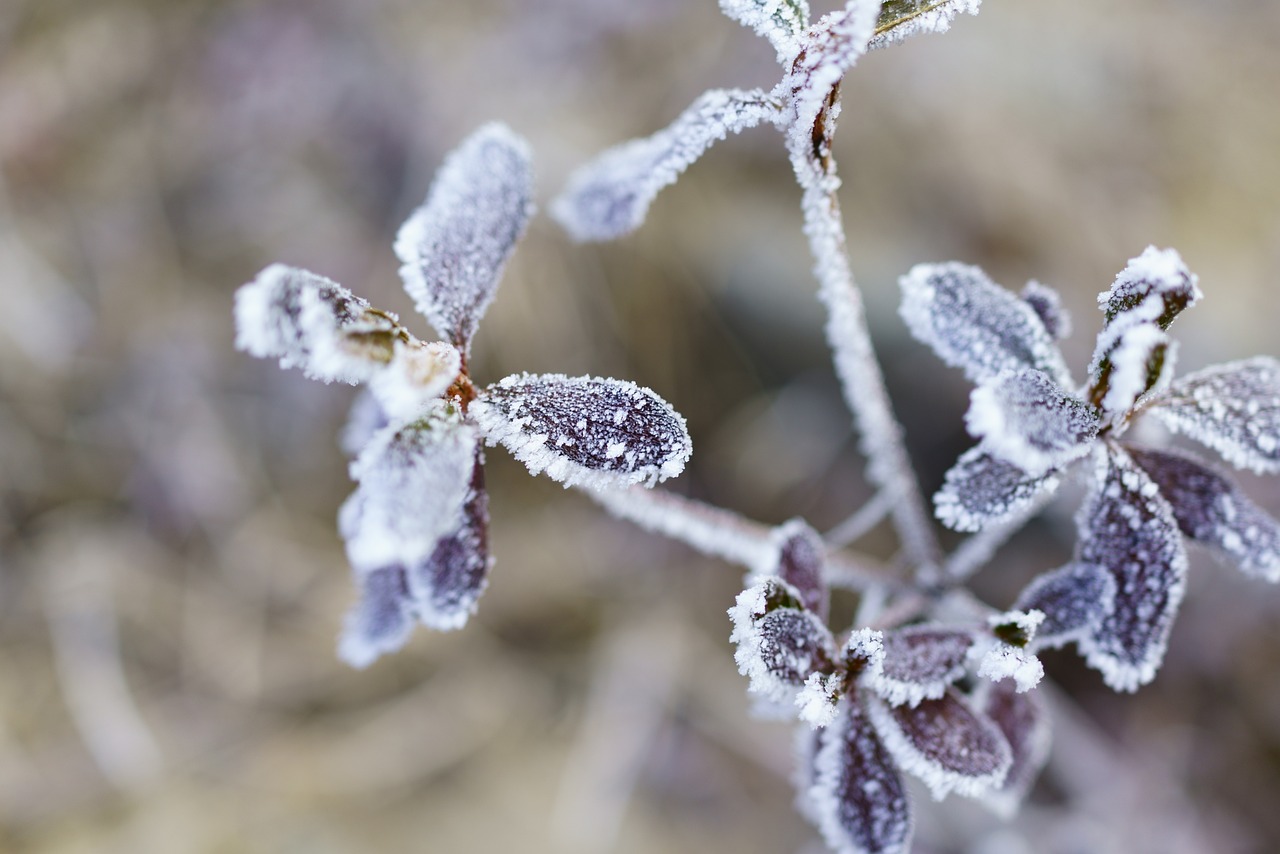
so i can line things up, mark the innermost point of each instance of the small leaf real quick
(1129, 530)
(1026, 419)
(1132, 358)
(1047, 305)
(312, 323)
(944, 742)
(974, 324)
(801, 557)
(981, 490)
(380, 621)
(609, 196)
(447, 585)
(600, 433)
(779, 21)
(1024, 721)
(1212, 510)
(857, 797)
(779, 643)
(416, 377)
(1155, 286)
(453, 247)
(1233, 409)
(1074, 600)
(920, 662)
(900, 19)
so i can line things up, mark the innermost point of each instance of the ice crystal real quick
(779, 21)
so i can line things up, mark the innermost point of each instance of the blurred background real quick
(171, 581)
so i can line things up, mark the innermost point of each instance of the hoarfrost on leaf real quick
(829, 49)
(800, 564)
(1157, 284)
(920, 662)
(974, 324)
(900, 19)
(1003, 662)
(1232, 408)
(609, 196)
(380, 621)
(779, 21)
(819, 698)
(1024, 721)
(600, 433)
(982, 490)
(944, 742)
(1047, 305)
(779, 643)
(1127, 528)
(364, 420)
(1026, 419)
(1131, 359)
(416, 377)
(857, 797)
(453, 247)
(313, 323)
(1074, 600)
(1212, 510)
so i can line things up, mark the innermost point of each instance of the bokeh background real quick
(171, 582)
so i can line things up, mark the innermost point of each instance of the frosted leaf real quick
(1133, 357)
(828, 50)
(1024, 721)
(944, 742)
(600, 433)
(417, 375)
(779, 21)
(779, 643)
(1212, 510)
(364, 420)
(609, 196)
(974, 324)
(982, 490)
(312, 323)
(1026, 419)
(900, 19)
(447, 585)
(1232, 408)
(1157, 285)
(453, 247)
(1047, 305)
(1074, 600)
(380, 621)
(858, 799)
(819, 698)
(413, 482)
(800, 564)
(920, 662)
(1129, 530)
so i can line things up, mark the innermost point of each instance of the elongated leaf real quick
(600, 433)
(981, 490)
(974, 324)
(944, 742)
(454, 247)
(1023, 718)
(1074, 600)
(380, 622)
(1129, 530)
(779, 21)
(447, 585)
(779, 642)
(800, 564)
(1027, 419)
(1233, 409)
(609, 196)
(1212, 510)
(312, 323)
(857, 798)
(900, 19)
(1156, 286)
(920, 662)
(1133, 358)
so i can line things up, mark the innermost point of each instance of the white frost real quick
(925, 16)
(779, 21)
(416, 377)
(981, 490)
(1026, 419)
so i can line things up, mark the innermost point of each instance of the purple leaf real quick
(779, 643)
(448, 584)
(944, 742)
(609, 196)
(1074, 600)
(1212, 510)
(981, 490)
(380, 621)
(800, 563)
(1024, 721)
(858, 798)
(974, 324)
(1233, 409)
(1026, 419)
(1129, 530)
(919, 663)
(454, 247)
(1047, 305)
(602, 433)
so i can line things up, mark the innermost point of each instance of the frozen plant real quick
(927, 682)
